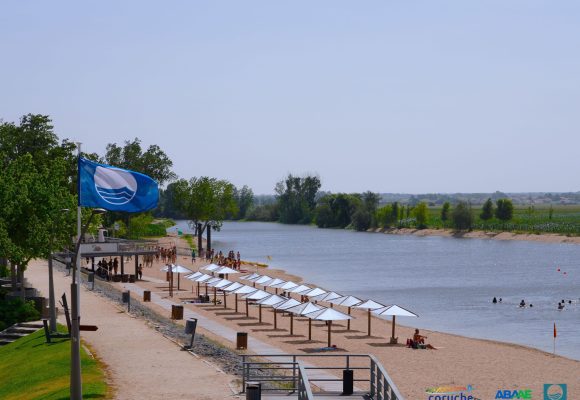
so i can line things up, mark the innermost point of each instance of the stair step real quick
(14, 336)
(26, 331)
(35, 325)
(5, 342)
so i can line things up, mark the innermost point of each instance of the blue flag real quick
(115, 189)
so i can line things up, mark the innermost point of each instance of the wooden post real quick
(309, 329)
(214, 295)
(178, 276)
(393, 333)
(260, 313)
(369, 312)
(291, 324)
(236, 303)
(329, 325)
(247, 309)
(275, 319)
(225, 300)
(122, 265)
(348, 322)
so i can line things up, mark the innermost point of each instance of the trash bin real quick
(131, 278)
(253, 391)
(347, 382)
(242, 340)
(91, 277)
(176, 312)
(126, 297)
(147, 295)
(125, 278)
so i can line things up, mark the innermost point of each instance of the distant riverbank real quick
(542, 237)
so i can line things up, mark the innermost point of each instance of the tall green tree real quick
(421, 214)
(487, 210)
(244, 201)
(462, 216)
(152, 162)
(336, 210)
(205, 202)
(445, 210)
(504, 209)
(385, 218)
(296, 197)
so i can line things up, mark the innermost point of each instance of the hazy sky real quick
(389, 96)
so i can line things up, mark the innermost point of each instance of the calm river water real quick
(449, 282)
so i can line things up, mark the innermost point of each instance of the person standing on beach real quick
(192, 255)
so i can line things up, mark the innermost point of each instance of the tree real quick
(297, 198)
(395, 217)
(421, 213)
(153, 162)
(361, 219)
(551, 212)
(244, 200)
(336, 210)
(371, 202)
(445, 212)
(487, 210)
(462, 216)
(504, 209)
(205, 202)
(385, 217)
(35, 177)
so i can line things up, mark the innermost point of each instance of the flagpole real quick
(75, 366)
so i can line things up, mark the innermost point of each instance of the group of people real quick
(106, 269)
(168, 256)
(522, 304)
(233, 260)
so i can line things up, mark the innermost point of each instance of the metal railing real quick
(304, 389)
(290, 375)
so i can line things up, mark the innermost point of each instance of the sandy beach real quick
(487, 365)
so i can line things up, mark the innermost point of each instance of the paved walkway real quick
(141, 363)
(255, 346)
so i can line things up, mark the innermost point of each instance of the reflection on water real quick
(449, 282)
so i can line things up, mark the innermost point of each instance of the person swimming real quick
(522, 303)
(560, 306)
(494, 300)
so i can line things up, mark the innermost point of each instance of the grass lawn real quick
(33, 369)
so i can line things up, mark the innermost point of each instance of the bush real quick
(14, 310)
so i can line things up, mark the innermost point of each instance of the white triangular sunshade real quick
(328, 314)
(286, 285)
(263, 279)
(211, 267)
(304, 308)
(245, 290)
(203, 278)
(257, 295)
(300, 289)
(250, 277)
(226, 270)
(346, 301)
(178, 269)
(326, 296)
(370, 305)
(233, 286)
(314, 292)
(287, 304)
(394, 310)
(194, 275)
(275, 281)
(272, 300)
(212, 280)
(221, 284)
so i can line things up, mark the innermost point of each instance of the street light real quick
(76, 392)
(51, 298)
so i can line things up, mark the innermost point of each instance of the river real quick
(449, 282)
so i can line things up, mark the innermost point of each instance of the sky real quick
(389, 96)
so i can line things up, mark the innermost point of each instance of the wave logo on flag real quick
(115, 189)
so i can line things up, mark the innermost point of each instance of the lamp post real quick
(51, 298)
(76, 392)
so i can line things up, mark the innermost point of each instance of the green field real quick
(565, 220)
(32, 369)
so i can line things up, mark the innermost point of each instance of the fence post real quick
(380, 391)
(294, 373)
(372, 388)
(243, 373)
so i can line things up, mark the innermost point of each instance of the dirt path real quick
(142, 364)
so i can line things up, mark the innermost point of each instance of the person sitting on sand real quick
(522, 303)
(418, 338)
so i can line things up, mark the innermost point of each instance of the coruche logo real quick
(115, 186)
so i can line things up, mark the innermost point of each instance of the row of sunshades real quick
(288, 304)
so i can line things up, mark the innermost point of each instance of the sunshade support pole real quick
(259, 313)
(291, 324)
(348, 322)
(214, 296)
(275, 320)
(369, 314)
(309, 329)
(393, 332)
(225, 300)
(247, 309)
(329, 325)
(236, 303)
